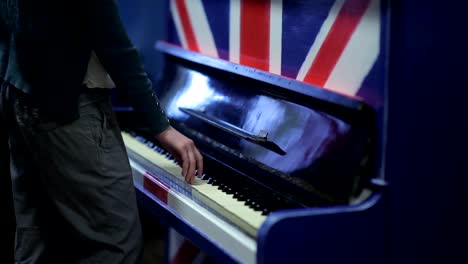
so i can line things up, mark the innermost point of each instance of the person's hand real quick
(184, 150)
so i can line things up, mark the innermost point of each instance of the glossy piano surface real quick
(318, 146)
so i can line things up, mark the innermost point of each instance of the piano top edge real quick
(352, 103)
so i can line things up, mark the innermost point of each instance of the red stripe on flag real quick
(336, 41)
(187, 25)
(156, 187)
(186, 253)
(255, 34)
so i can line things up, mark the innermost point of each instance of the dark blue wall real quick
(145, 21)
(427, 148)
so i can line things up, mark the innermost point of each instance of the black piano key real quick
(257, 202)
(249, 201)
(223, 187)
(236, 194)
(213, 181)
(252, 205)
(240, 197)
(257, 207)
(229, 190)
(266, 211)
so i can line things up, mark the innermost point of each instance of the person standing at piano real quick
(72, 186)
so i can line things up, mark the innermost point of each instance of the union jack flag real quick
(335, 44)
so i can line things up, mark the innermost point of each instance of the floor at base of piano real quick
(154, 241)
(155, 235)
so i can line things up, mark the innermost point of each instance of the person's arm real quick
(120, 58)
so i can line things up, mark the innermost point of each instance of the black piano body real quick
(301, 156)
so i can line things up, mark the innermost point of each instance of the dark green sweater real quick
(45, 48)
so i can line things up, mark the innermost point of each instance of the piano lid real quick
(277, 131)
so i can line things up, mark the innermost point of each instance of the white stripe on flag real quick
(201, 27)
(234, 31)
(178, 24)
(319, 39)
(276, 34)
(360, 54)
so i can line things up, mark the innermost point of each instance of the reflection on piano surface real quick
(270, 144)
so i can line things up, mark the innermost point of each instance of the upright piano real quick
(290, 169)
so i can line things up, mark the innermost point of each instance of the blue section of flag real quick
(217, 12)
(302, 21)
(172, 35)
(373, 87)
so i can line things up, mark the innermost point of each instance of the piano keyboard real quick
(203, 191)
(225, 235)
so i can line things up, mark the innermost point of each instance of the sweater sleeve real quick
(120, 58)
